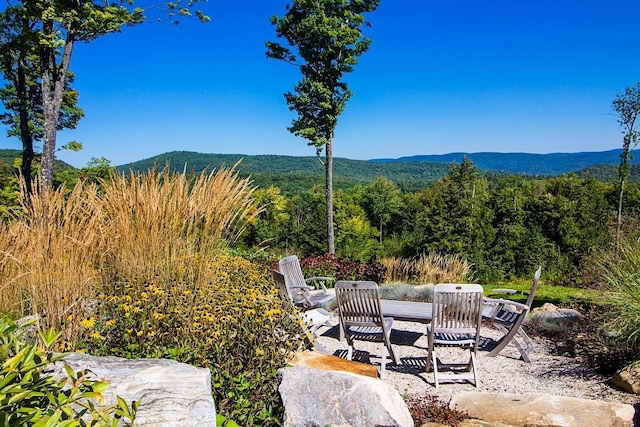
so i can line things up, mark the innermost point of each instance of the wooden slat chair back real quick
(508, 316)
(361, 317)
(298, 287)
(456, 320)
(313, 319)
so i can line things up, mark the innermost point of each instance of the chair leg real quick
(392, 354)
(504, 341)
(473, 368)
(528, 344)
(434, 360)
(383, 364)
(350, 352)
(429, 353)
(523, 349)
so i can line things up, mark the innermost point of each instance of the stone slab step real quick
(541, 409)
(315, 359)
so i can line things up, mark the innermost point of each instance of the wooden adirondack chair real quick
(456, 319)
(313, 318)
(508, 316)
(361, 317)
(298, 287)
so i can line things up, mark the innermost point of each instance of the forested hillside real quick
(551, 164)
(294, 173)
(9, 156)
(504, 224)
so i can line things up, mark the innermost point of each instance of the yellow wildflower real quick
(88, 323)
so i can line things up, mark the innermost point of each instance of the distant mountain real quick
(291, 172)
(299, 173)
(523, 163)
(9, 156)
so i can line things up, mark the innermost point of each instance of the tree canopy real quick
(38, 37)
(324, 40)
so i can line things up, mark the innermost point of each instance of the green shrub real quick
(341, 268)
(230, 320)
(28, 397)
(405, 292)
(621, 315)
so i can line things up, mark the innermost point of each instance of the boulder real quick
(171, 393)
(317, 397)
(628, 378)
(551, 319)
(541, 409)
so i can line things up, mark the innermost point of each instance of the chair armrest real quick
(504, 302)
(320, 280)
(507, 291)
(300, 288)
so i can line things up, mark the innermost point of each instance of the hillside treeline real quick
(504, 225)
(506, 228)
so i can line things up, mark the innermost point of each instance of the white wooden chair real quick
(508, 317)
(298, 287)
(456, 319)
(313, 319)
(361, 317)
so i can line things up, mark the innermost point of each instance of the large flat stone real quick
(541, 409)
(171, 393)
(317, 360)
(317, 398)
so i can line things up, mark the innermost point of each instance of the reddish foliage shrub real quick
(342, 269)
(430, 409)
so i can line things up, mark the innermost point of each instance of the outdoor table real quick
(411, 311)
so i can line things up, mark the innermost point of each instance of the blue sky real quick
(440, 76)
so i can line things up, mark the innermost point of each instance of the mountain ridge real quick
(520, 162)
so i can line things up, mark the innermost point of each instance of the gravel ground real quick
(547, 373)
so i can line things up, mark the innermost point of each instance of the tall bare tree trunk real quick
(619, 221)
(25, 133)
(53, 79)
(329, 195)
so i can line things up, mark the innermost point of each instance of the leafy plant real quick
(342, 269)
(406, 292)
(622, 273)
(429, 409)
(228, 317)
(29, 397)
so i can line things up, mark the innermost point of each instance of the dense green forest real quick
(294, 174)
(505, 224)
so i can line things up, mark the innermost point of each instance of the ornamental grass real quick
(139, 269)
(427, 268)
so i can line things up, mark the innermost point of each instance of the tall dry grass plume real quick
(159, 223)
(156, 227)
(47, 256)
(427, 268)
